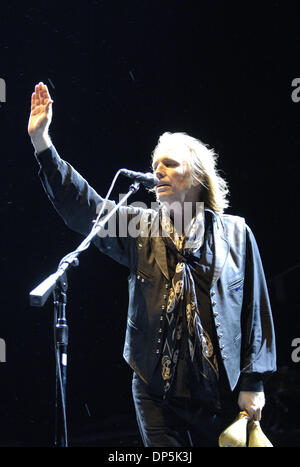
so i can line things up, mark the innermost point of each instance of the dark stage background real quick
(121, 73)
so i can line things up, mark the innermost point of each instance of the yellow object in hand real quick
(235, 435)
(257, 438)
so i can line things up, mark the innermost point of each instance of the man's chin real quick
(168, 203)
(163, 198)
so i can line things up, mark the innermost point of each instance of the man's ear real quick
(196, 182)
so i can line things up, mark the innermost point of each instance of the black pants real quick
(177, 422)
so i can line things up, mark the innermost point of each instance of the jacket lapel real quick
(160, 253)
(221, 245)
(150, 226)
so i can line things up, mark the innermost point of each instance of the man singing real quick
(200, 335)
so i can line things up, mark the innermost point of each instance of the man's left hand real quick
(252, 402)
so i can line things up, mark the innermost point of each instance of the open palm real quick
(41, 110)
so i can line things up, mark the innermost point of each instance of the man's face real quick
(171, 168)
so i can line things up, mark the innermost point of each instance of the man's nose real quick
(159, 171)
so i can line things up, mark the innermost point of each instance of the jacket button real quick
(161, 318)
(218, 324)
(167, 286)
(163, 307)
(165, 297)
(221, 347)
(220, 334)
(224, 357)
(157, 351)
(213, 303)
(215, 313)
(213, 293)
(160, 330)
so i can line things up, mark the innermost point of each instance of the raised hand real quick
(41, 111)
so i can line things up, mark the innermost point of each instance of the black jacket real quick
(239, 298)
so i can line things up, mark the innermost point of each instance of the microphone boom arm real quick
(39, 295)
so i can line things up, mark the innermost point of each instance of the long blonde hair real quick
(203, 162)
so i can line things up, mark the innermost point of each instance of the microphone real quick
(147, 179)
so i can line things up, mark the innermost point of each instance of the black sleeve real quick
(258, 360)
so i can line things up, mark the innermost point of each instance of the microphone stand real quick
(57, 285)
(61, 332)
